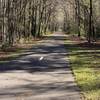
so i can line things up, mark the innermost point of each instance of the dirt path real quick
(42, 73)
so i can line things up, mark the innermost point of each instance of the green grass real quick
(16, 51)
(12, 55)
(85, 63)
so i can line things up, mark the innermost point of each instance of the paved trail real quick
(42, 73)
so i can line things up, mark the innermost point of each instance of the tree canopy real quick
(34, 18)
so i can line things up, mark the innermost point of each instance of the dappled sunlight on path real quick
(42, 73)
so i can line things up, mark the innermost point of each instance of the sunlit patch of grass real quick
(85, 63)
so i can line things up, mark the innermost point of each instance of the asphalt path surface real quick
(42, 73)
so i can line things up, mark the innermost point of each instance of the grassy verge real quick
(85, 62)
(17, 50)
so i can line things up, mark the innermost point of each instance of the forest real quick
(49, 49)
(33, 18)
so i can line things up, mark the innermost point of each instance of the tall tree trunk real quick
(90, 23)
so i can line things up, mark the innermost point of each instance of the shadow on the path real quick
(53, 57)
(35, 89)
(54, 61)
(58, 37)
